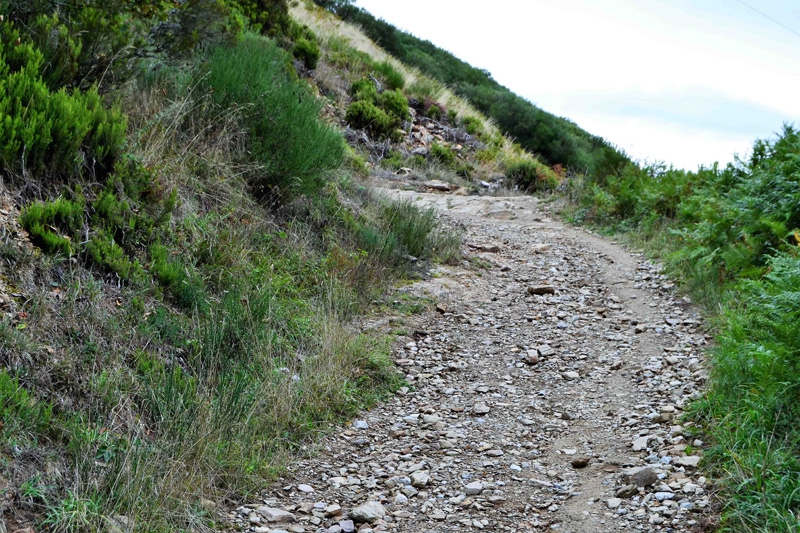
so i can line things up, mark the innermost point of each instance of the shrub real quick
(53, 225)
(107, 254)
(529, 174)
(364, 90)
(269, 17)
(443, 154)
(50, 133)
(473, 125)
(378, 113)
(287, 137)
(395, 104)
(434, 112)
(307, 51)
(363, 114)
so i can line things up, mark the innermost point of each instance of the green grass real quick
(754, 402)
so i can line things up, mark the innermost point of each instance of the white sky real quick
(680, 81)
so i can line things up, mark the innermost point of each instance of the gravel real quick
(525, 410)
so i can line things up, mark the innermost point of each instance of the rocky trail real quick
(544, 394)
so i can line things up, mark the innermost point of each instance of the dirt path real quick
(543, 396)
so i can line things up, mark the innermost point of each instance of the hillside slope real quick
(557, 140)
(189, 243)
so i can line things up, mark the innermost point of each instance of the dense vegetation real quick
(732, 235)
(201, 242)
(556, 140)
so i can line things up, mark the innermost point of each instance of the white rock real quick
(276, 515)
(476, 487)
(369, 512)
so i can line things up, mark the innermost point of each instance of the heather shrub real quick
(50, 133)
(530, 175)
(363, 114)
(379, 113)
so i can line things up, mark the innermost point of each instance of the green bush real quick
(473, 125)
(307, 51)
(530, 175)
(107, 254)
(269, 17)
(287, 137)
(48, 133)
(379, 113)
(365, 90)
(53, 226)
(363, 114)
(395, 104)
(443, 154)
(434, 112)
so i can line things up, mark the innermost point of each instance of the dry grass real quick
(330, 29)
(327, 26)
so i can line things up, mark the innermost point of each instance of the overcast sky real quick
(680, 81)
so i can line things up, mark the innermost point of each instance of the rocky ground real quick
(545, 392)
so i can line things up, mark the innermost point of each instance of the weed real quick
(21, 413)
(75, 514)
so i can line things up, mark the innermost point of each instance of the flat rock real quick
(692, 461)
(278, 516)
(541, 290)
(420, 479)
(641, 477)
(641, 443)
(476, 487)
(369, 512)
(481, 409)
(438, 185)
(545, 350)
(613, 503)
